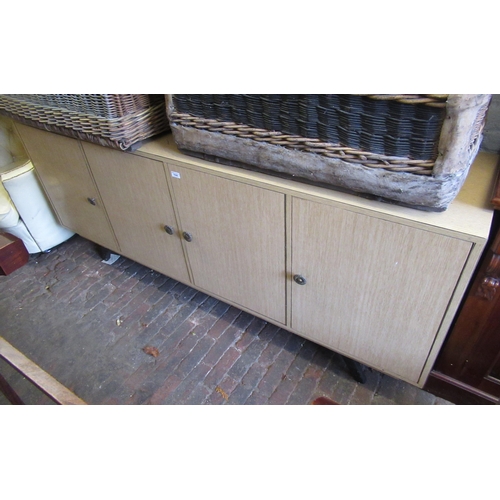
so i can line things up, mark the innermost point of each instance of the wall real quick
(491, 140)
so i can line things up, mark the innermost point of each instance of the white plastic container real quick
(24, 209)
(37, 225)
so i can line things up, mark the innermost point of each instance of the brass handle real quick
(169, 230)
(300, 280)
(92, 201)
(187, 236)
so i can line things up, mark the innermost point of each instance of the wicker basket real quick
(410, 149)
(120, 121)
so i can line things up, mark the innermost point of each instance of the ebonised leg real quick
(104, 253)
(355, 369)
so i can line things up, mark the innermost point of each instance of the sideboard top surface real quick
(470, 213)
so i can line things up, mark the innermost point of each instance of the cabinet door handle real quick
(300, 280)
(169, 230)
(92, 201)
(187, 236)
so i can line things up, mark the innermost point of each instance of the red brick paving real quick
(86, 323)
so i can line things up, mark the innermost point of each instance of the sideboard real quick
(375, 282)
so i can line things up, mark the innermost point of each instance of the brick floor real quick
(87, 323)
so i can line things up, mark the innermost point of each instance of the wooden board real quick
(45, 382)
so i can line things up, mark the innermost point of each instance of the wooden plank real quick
(45, 382)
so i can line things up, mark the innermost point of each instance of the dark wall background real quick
(491, 140)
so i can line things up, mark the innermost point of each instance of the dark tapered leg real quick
(356, 370)
(104, 253)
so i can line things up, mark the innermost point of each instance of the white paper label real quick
(176, 175)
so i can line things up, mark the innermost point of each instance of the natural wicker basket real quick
(120, 121)
(412, 149)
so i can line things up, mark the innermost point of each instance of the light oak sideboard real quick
(375, 282)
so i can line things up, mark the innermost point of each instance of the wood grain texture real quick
(469, 214)
(13, 253)
(64, 174)
(470, 354)
(461, 134)
(383, 280)
(238, 246)
(136, 195)
(457, 392)
(375, 291)
(467, 370)
(45, 382)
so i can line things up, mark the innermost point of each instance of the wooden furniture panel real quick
(136, 195)
(41, 379)
(13, 253)
(62, 168)
(467, 370)
(238, 239)
(376, 291)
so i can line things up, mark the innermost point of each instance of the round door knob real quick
(92, 201)
(169, 230)
(187, 236)
(300, 280)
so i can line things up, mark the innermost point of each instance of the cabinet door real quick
(64, 174)
(136, 195)
(237, 233)
(375, 290)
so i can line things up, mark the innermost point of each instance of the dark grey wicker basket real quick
(381, 145)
